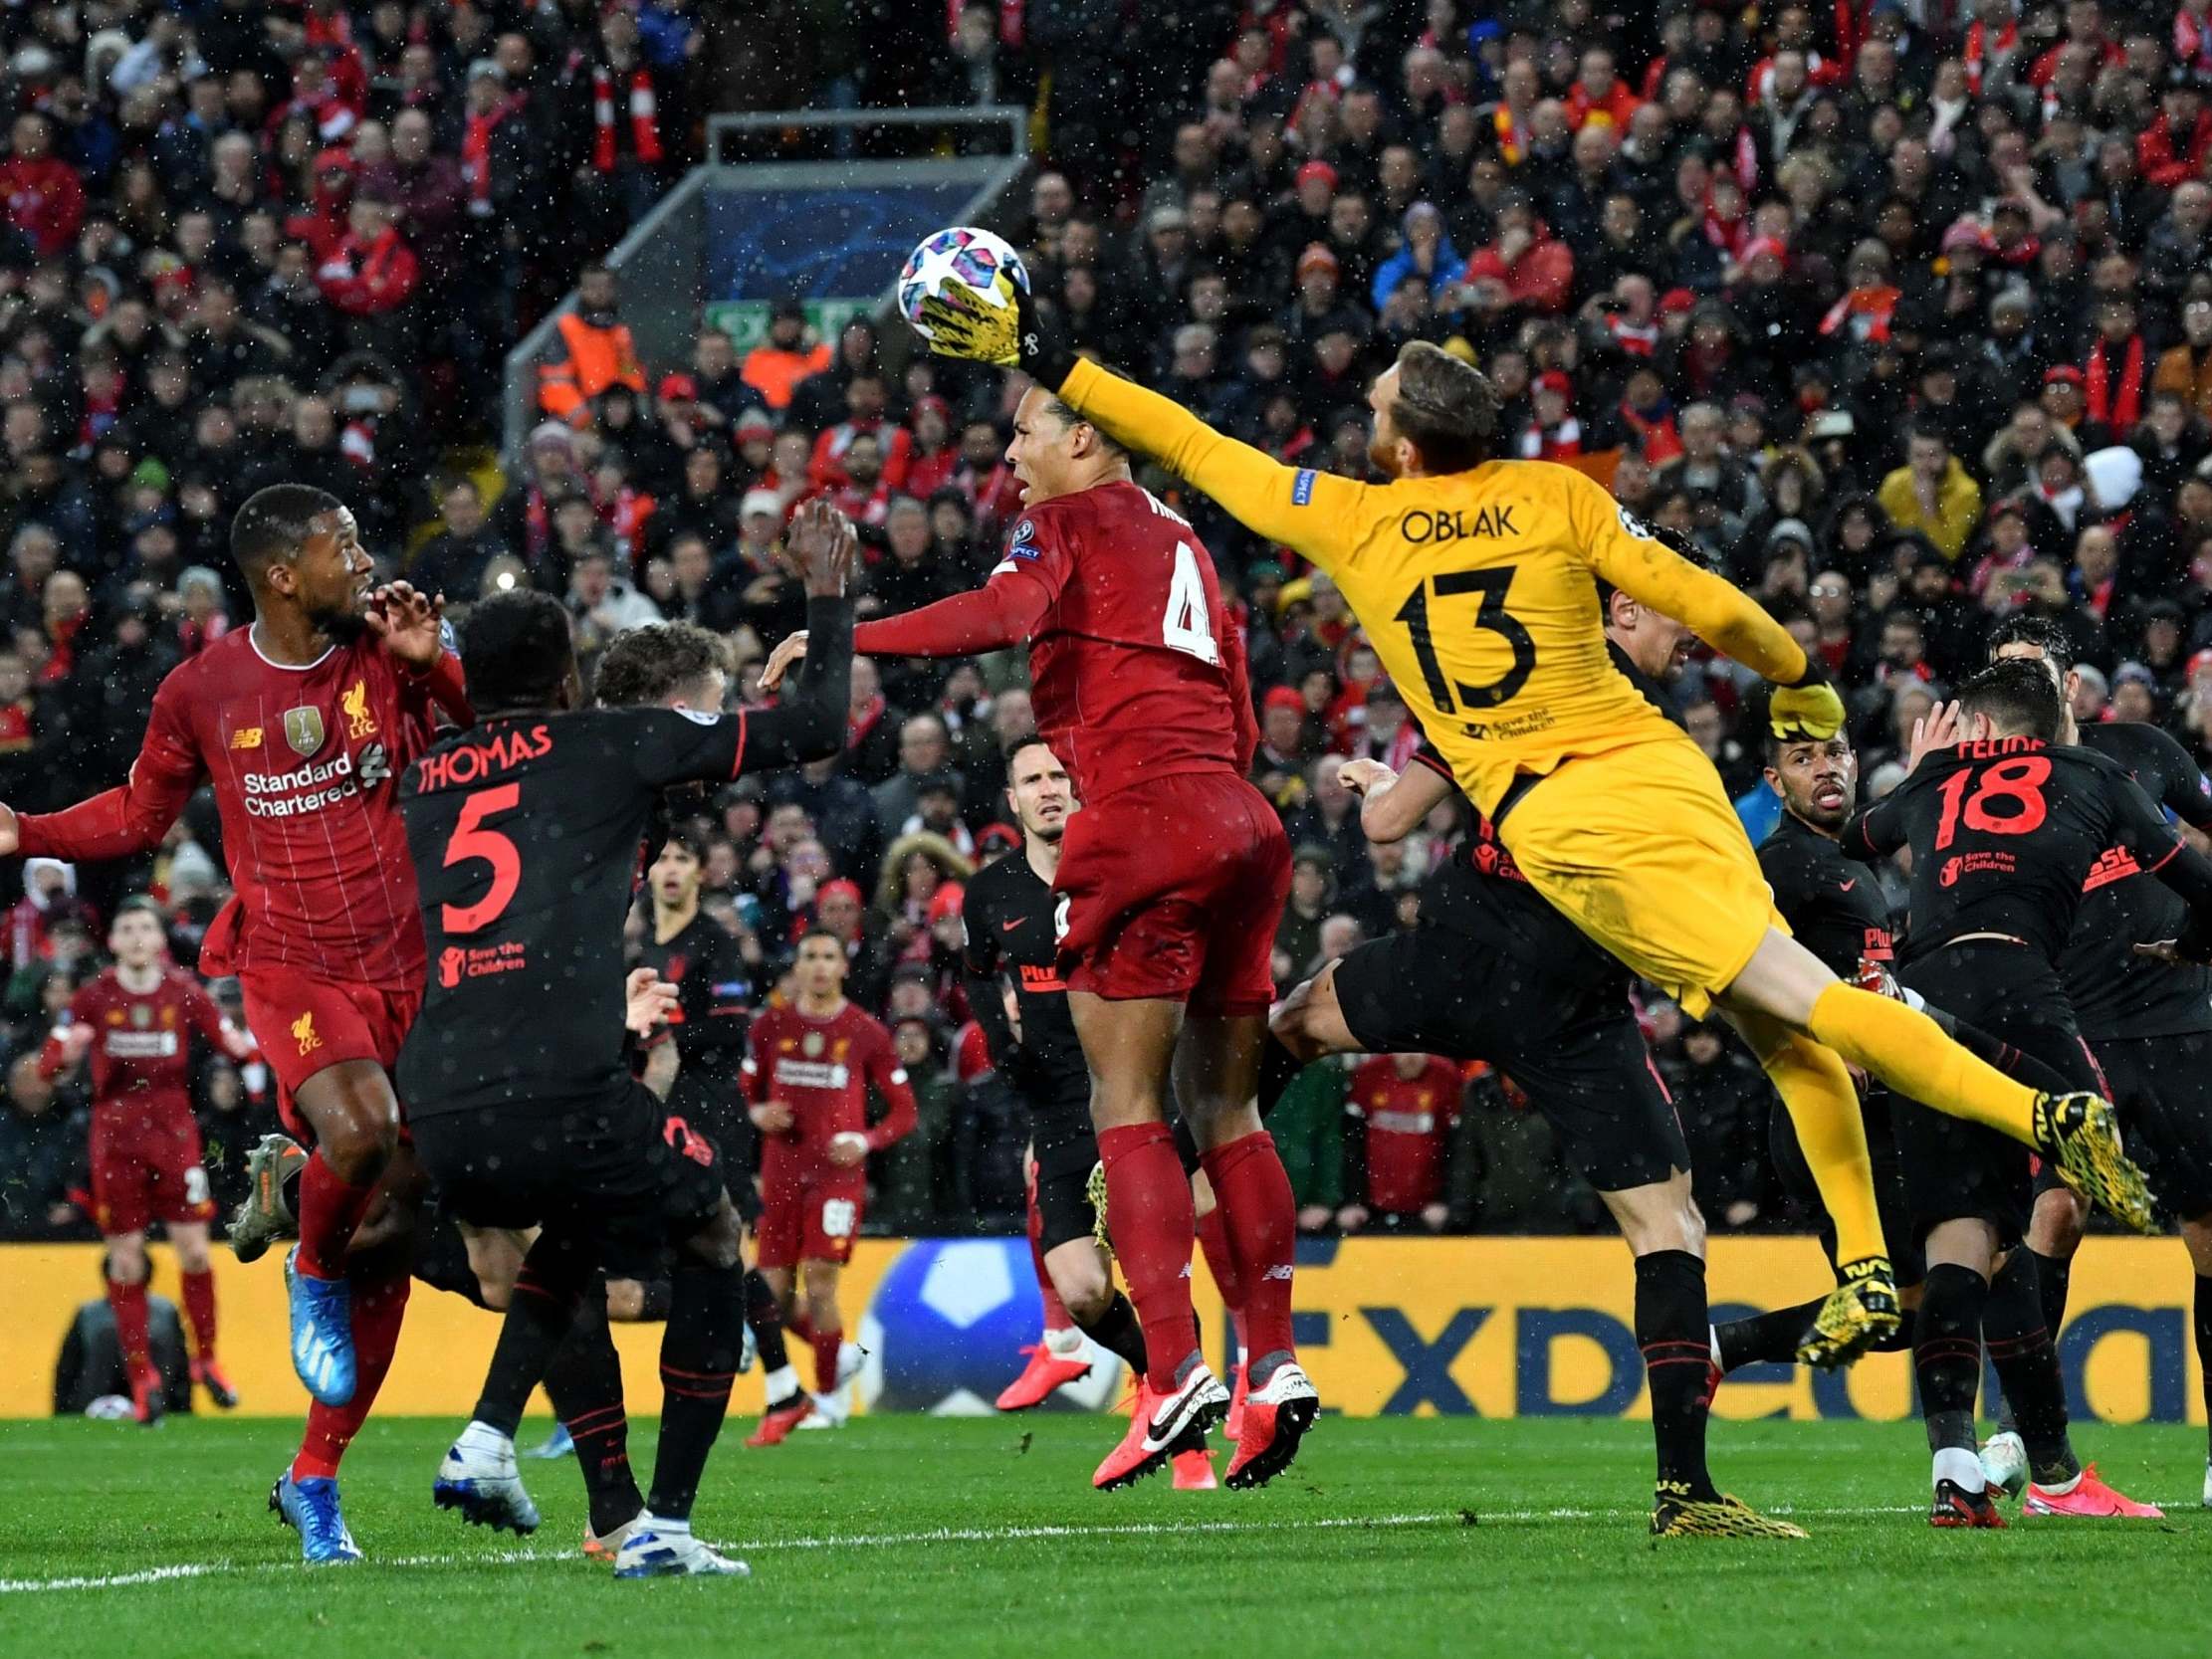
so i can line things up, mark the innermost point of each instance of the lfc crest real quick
(303, 730)
(359, 723)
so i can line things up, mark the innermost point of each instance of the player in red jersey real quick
(1174, 873)
(301, 723)
(806, 1075)
(136, 1021)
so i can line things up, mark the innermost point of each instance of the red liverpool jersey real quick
(303, 762)
(821, 1069)
(141, 1049)
(1409, 1123)
(1138, 669)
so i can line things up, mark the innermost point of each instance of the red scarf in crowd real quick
(1656, 435)
(1551, 443)
(1512, 143)
(2123, 411)
(476, 148)
(1979, 46)
(1636, 340)
(645, 132)
(1866, 311)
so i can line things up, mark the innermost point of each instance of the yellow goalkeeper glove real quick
(1811, 710)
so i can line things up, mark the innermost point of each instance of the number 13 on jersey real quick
(1489, 586)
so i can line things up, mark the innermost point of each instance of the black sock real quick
(546, 1292)
(1670, 1328)
(2054, 1276)
(1278, 1069)
(584, 1384)
(1118, 1333)
(1947, 1353)
(2204, 1345)
(765, 1315)
(652, 1304)
(2027, 1365)
(1772, 1338)
(698, 1358)
(2020, 1068)
(1765, 1338)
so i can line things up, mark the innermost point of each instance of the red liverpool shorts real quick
(146, 1166)
(305, 1025)
(811, 1216)
(1174, 889)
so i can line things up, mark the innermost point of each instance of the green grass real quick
(916, 1537)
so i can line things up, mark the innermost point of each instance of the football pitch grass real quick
(913, 1537)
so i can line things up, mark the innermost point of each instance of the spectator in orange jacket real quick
(601, 352)
(1535, 266)
(45, 200)
(776, 366)
(2172, 148)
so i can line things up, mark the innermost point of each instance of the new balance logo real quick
(1282, 1271)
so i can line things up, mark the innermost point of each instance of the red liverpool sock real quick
(378, 1307)
(200, 1309)
(129, 1304)
(1148, 1215)
(825, 1344)
(1261, 1217)
(798, 1325)
(329, 1211)
(1055, 1311)
(1213, 1241)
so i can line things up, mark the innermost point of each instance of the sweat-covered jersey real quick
(304, 762)
(2004, 833)
(1834, 906)
(141, 1043)
(822, 1070)
(1478, 588)
(1011, 918)
(2116, 992)
(1137, 669)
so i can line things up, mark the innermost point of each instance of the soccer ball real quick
(945, 1330)
(963, 254)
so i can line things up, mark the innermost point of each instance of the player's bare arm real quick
(1392, 804)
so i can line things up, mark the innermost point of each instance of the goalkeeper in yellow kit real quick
(1476, 582)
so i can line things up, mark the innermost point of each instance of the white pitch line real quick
(943, 1534)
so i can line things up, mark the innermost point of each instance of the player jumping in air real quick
(1476, 581)
(1009, 913)
(2005, 829)
(302, 722)
(136, 1021)
(1495, 974)
(525, 833)
(807, 1072)
(1173, 874)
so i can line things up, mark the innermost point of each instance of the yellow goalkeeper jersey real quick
(1479, 589)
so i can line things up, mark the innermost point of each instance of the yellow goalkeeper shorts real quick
(1641, 849)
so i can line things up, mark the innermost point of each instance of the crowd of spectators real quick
(1901, 312)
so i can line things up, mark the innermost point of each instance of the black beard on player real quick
(339, 623)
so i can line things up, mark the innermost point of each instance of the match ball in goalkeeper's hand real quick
(961, 257)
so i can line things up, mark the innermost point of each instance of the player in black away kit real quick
(1009, 913)
(2005, 829)
(678, 665)
(524, 832)
(1494, 974)
(2149, 1021)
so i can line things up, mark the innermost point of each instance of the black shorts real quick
(1066, 1152)
(1959, 1171)
(2161, 1088)
(620, 1174)
(1573, 1049)
(1907, 1258)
